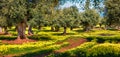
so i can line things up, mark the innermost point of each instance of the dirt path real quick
(72, 44)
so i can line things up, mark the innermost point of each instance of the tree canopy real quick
(112, 12)
(38, 13)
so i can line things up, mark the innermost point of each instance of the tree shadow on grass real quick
(78, 31)
(39, 53)
(43, 37)
(37, 31)
(81, 31)
(104, 34)
(113, 29)
(47, 31)
(8, 37)
(59, 34)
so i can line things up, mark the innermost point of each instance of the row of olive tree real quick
(19, 13)
(48, 14)
(38, 13)
(71, 18)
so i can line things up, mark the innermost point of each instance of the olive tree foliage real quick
(102, 23)
(40, 13)
(4, 17)
(65, 18)
(68, 17)
(55, 22)
(112, 13)
(74, 22)
(44, 12)
(89, 19)
(19, 12)
(15, 12)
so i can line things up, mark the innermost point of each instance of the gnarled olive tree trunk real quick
(21, 27)
(39, 27)
(64, 32)
(57, 28)
(5, 30)
(30, 32)
(0, 29)
(52, 28)
(71, 28)
(87, 28)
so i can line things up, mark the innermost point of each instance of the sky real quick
(68, 4)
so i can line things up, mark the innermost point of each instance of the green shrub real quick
(8, 37)
(102, 39)
(41, 37)
(94, 40)
(105, 50)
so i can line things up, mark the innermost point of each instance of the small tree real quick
(67, 18)
(44, 12)
(89, 19)
(102, 22)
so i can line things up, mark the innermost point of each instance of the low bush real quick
(41, 37)
(8, 37)
(102, 39)
(105, 50)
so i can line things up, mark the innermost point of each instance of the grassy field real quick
(100, 43)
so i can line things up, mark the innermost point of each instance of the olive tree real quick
(112, 12)
(89, 19)
(68, 17)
